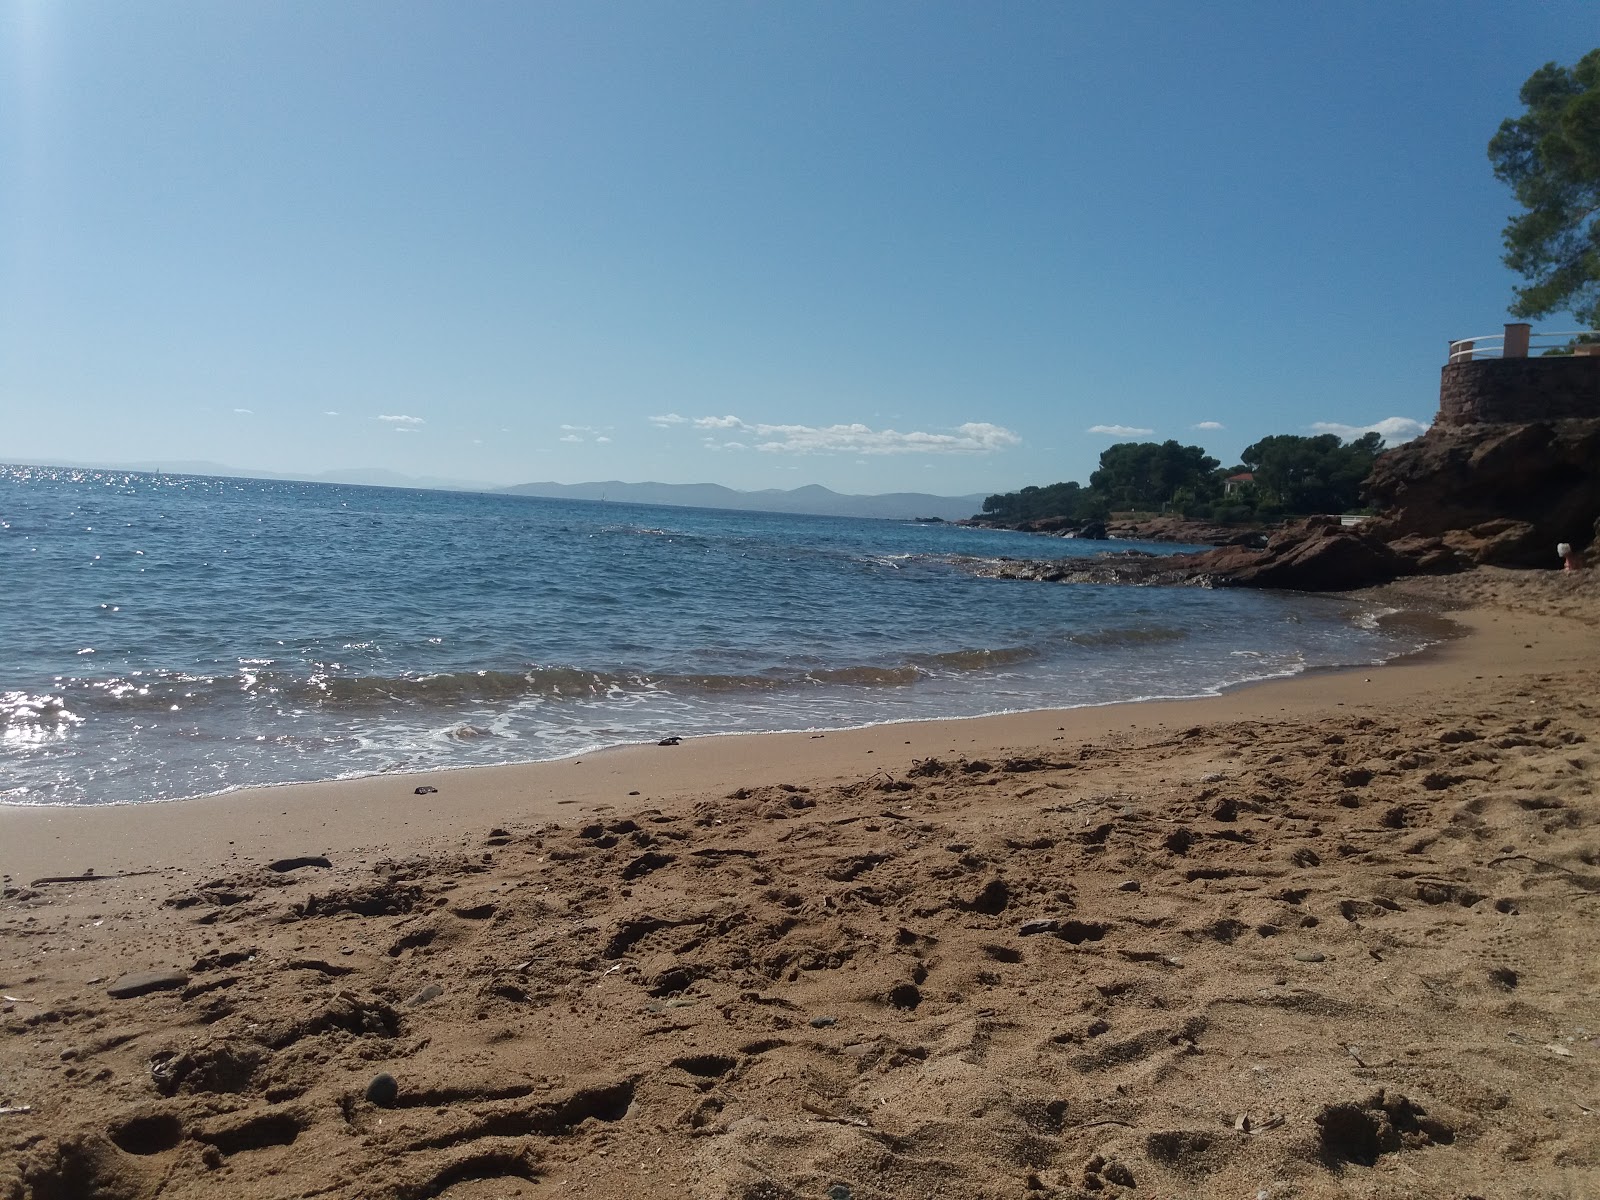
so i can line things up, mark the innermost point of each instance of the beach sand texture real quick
(1331, 936)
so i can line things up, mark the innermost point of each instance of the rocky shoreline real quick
(1180, 530)
(1315, 555)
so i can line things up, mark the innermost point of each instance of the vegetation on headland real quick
(1280, 476)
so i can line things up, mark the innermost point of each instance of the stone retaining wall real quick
(1514, 390)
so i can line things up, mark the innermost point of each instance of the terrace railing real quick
(1518, 341)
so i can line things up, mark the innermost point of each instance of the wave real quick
(177, 691)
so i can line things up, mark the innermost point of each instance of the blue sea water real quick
(166, 636)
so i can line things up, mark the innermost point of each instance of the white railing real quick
(1518, 341)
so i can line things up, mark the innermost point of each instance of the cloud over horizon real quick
(974, 437)
(1393, 430)
(1209, 426)
(582, 433)
(1118, 430)
(403, 420)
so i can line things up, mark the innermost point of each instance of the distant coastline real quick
(811, 500)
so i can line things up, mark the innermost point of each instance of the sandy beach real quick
(1323, 936)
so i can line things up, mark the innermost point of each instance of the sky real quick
(940, 247)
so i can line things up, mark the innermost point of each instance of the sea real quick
(165, 636)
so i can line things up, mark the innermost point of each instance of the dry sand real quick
(1330, 936)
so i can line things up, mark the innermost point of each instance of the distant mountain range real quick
(812, 500)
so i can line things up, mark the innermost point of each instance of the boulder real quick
(1315, 555)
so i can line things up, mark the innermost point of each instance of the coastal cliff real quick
(1498, 495)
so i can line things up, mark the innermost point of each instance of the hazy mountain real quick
(812, 499)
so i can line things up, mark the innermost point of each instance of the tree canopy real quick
(1293, 476)
(1550, 157)
(1312, 474)
(1056, 500)
(1146, 475)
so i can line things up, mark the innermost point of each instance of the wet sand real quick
(1324, 936)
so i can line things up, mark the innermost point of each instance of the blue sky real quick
(890, 246)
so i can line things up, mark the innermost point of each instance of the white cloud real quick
(330, 413)
(403, 420)
(975, 437)
(579, 428)
(572, 437)
(669, 419)
(602, 439)
(1208, 425)
(1394, 430)
(246, 411)
(1118, 430)
(404, 429)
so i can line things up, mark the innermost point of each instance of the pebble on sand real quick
(137, 983)
(384, 1090)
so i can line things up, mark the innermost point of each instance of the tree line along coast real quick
(1277, 477)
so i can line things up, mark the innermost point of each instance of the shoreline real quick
(364, 813)
(1439, 630)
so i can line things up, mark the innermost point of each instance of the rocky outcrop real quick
(1502, 495)
(1317, 554)
(1196, 533)
(1150, 529)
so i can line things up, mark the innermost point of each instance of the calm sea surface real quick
(166, 636)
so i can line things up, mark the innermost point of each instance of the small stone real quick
(384, 1090)
(840, 1191)
(424, 790)
(1128, 885)
(432, 992)
(1042, 925)
(294, 864)
(823, 1022)
(1242, 1123)
(138, 983)
(670, 741)
(1309, 956)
